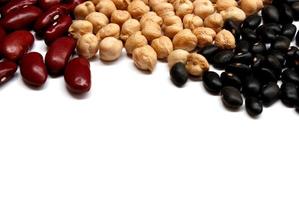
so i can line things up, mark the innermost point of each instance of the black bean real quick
(279, 55)
(243, 57)
(212, 82)
(297, 38)
(290, 75)
(252, 21)
(289, 31)
(266, 34)
(222, 58)
(249, 34)
(265, 75)
(258, 48)
(242, 46)
(233, 27)
(291, 55)
(231, 97)
(281, 43)
(295, 8)
(251, 86)
(229, 79)
(239, 69)
(270, 93)
(254, 106)
(258, 61)
(179, 75)
(274, 64)
(270, 14)
(285, 14)
(209, 51)
(274, 26)
(289, 94)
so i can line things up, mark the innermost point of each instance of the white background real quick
(137, 137)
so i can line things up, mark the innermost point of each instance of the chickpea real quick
(83, 9)
(151, 30)
(137, 8)
(205, 36)
(172, 25)
(79, 28)
(225, 40)
(185, 39)
(128, 28)
(106, 7)
(164, 9)
(192, 21)
(153, 3)
(98, 20)
(196, 64)
(204, 9)
(251, 6)
(151, 16)
(136, 40)
(163, 46)
(87, 45)
(110, 30)
(177, 56)
(145, 58)
(121, 4)
(233, 13)
(120, 16)
(225, 4)
(214, 21)
(110, 49)
(183, 7)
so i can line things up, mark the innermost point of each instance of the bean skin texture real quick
(21, 19)
(77, 75)
(16, 5)
(16, 44)
(7, 70)
(33, 69)
(46, 4)
(58, 55)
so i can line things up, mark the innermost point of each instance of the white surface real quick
(138, 137)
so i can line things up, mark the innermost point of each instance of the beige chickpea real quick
(106, 7)
(172, 25)
(136, 40)
(151, 16)
(176, 56)
(151, 30)
(110, 30)
(128, 28)
(233, 13)
(95, 2)
(214, 21)
(121, 4)
(196, 64)
(163, 46)
(145, 58)
(137, 8)
(164, 9)
(205, 36)
(120, 16)
(204, 9)
(251, 6)
(192, 21)
(183, 7)
(225, 40)
(79, 28)
(153, 3)
(98, 20)
(87, 45)
(185, 39)
(110, 49)
(225, 4)
(83, 9)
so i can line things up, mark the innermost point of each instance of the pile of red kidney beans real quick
(49, 20)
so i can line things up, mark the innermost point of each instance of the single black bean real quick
(212, 82)
(251, 86)
(229, 79)
(209, 51)
(279, 55)
(252, 21)
(254, 106)
(258, 61)
(266, 34)
(274, 64)
(231, 97)
(249, 34)
(242, 46)
(290, 75)
(285, 14)
(265, 75)
(222, 58)
(243, 57)
(270, 14)
(289, 94)
(270, 93)
(289, 31)
(179, 75)
(281, 43)
(258, 48)
(239, 69)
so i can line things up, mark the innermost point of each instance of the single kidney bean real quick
(21, 19)
(58, 55)
(77, 75)
(57, 29)
(16, 5)
(7, 70)
(16, 44)
(46, 4)
(33, 69)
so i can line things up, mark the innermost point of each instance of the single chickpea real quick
(136, 40)
(196, 64)
(214, 21)
(225, 4)
(153, 3)
(172, 25)
(120, 16)
(83, 9)
(87, 45)
(110, 30)
(177, 56)
(204, 9)
(185, 39)
(98, 20)
(151, 30)
(110, 49)
(145, 58)
(183, 7)
(233, 13)
(151, 16)
(121, 4)
(137, 8)
(163, 46)
(79, 28)
(192, 21)
(164, 9)
(128, 28)
(205, 36)
(251, 6)
(225, 40)
(106, 7)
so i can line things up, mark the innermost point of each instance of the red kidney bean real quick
(33, 69)
(16, 5)
(70, 6)
(46, 4)
(2, 33)
(59, 54)
(21, 19)
(48, 18)
(77, 76)
(57, 29)
(16, 44)
(7, 70)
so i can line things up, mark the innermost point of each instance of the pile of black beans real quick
(263, 67)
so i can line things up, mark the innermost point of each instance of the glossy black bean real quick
(233, 27)
(295, 8)
(222, 58)
(297, 38)
(270, 93)
(279, 55)
(265, 75)
(270, 14)
(274, 26)
(254, 106)
(274, 64)
(258, 48)
(229, 79)
(212, 82)
(249, 35)
(245, 58)
(289, 31)
(209, 51)
(231, 97)
(179, 75)
(239, 69)
(285, 14)
(281, 43)
(289, 94)
(290, 75)
(252, 21)
(258, 61)
(251, 86)
(266, 34)
(242, 46)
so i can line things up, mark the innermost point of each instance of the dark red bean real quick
(77, 76)
(21, 19)
(57, 29)
(7, 70)
(58, 55)
(16, 5)
(2, 33)
(33, 69)
(46, 4)
(16, 44)
(70, 6)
